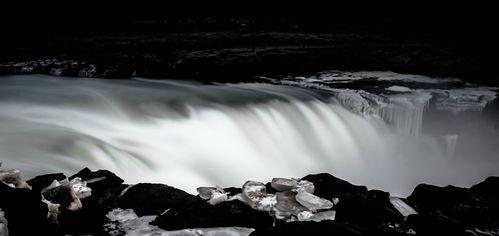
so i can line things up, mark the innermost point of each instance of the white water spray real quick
(189, 135)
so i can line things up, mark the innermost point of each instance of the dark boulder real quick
(106, 187)
(154, 199)
(369, 208)
(435, 223)
(204, 215)
(38, 183)
(475, 207)
(25, 212)
(327, 186)
(99, 179)
(489, 189)
(432, 197)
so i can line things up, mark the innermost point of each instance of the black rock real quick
(204, 215)
(328, 186)
(435, 223)
(154, 199)
(488, 189)
(233, 191)
(268, 187)
(370, 208)
(40, 182)
(25, 212)
(476, 207)
(311, 228)
(432, 197)
(106, 187)
(98, 180)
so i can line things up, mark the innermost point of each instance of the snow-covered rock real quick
(14, 178)
(255, 195)
(312, 202)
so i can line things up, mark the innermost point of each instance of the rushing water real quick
(187, 135)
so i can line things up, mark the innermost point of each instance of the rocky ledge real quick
(98, 203)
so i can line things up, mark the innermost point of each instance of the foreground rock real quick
(98, 203)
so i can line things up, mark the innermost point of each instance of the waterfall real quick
(189, 135)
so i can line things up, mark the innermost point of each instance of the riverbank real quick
(98, 203)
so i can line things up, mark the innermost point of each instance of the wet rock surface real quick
(315, 204)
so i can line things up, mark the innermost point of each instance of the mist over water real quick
(188, 135)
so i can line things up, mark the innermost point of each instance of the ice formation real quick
(126, 222)
(404, 209)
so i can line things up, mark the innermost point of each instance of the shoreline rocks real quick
(320, 203)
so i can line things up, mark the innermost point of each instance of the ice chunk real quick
(80, 188)
(317, 217)
(255, 195)
(53, 211)
(14, 178)
(397, 88)
(213, 195)
(67, 193)
(404, 209)
(312, 202)
(4, 230)
(282, 184)
(287, 205)
(305, 215)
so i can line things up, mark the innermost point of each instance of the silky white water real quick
(189, 135)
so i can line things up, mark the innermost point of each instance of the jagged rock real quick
(287, 205)
(154, 199)
(40, 182)
(204, 215)
(326, 227)
(312, 202)
(14, 178)
(282, 184)
(255, 194)
(213, 195)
